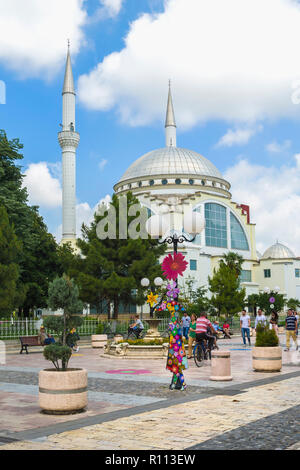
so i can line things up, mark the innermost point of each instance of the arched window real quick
(238, 237)
(216, 225)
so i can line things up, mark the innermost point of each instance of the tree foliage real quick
(228, 298)
(10, 249)
(112, 269)
(63, 294)
(38, 259)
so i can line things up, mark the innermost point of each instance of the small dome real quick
(277, 251)
(171, 161)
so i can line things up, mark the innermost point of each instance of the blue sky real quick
(233, 107)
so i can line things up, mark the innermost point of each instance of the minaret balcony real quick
(68, 139)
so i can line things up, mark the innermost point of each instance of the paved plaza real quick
(131, 406)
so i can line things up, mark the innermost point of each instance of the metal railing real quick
(13, 329)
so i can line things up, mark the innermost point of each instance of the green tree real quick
(253, 302)
(228, 298)
(64, 294)
(9, 270)
(112, 269)
(200, 302)
(234, 261)
(264, 302)
(38, 259)
(294, 304)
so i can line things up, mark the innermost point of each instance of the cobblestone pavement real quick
(213, 422)
(255, 410)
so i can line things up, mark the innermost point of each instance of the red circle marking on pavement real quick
(128, 371)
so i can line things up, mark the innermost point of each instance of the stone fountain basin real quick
(130, 351)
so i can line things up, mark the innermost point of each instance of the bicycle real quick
(136, 334)
(201, 352)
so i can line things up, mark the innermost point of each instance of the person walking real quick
(177, 360)
(192, 334)
(185, 321)
(291, 326)
(260, 319)
(245, 327)
(297, 317)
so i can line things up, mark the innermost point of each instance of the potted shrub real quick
(267, 354)
(62, 389)
(99, 340)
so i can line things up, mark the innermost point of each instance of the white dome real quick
(278, 251)
(169, 161)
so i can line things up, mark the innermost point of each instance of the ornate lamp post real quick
(145, 282)
(193, 223)
(158, 227)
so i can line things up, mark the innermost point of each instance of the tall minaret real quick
(170, 122)
(69, 140)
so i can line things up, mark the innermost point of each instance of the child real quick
(72, 339)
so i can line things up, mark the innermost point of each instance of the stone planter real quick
(99, 341)
(267, 359)
(63, 392)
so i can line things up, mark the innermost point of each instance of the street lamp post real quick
(193, 224)
(145, 282)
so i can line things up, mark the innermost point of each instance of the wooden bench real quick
(28, 341)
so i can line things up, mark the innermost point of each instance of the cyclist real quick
(202, 325)
(137, 327)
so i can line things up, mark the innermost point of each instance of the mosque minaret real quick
(69, 139)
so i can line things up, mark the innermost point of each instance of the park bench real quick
(28, 341)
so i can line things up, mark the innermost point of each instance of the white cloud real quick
(274, 198)
(234, 60)
(102, 164)
(34, 33)
(44, 189)
(238, 136)
(275, 147)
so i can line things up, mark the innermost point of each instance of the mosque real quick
(171, 177)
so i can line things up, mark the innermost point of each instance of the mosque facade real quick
(171, 179)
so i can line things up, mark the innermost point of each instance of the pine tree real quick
(111, 269)
(9, 271)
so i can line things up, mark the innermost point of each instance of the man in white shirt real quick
(260, 319)
(245, 327)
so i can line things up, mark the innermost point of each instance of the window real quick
(203, 183)
(140, 184)
(297, 272)
(164, 181)
(178, 181)
(216, 225)
(193, 264)
(191, 181)
(151, 182)
(238, 237)
(267, 272)
(246, 276)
